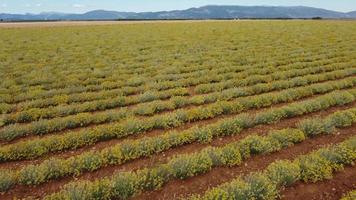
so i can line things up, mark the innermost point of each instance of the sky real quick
(81, 6)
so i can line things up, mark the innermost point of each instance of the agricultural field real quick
(189, 110)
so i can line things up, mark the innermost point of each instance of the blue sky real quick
(80, 6)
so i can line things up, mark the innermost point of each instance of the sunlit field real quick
(193, 110)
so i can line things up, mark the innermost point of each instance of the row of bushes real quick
(63, 98)
(75, 89)
(35, 114)
(42, 127)
(229, 94)
(212, 77)
(90, 91)
(46, 126)
(315, 166)
(55, 168)
(107, 75)
(312, 167)
(35, 94)
(175, 102)
(72, 140)
(214, 87)
(91, 96)
(84, 119)
(81, 97)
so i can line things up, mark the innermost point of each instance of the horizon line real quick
(103, 9)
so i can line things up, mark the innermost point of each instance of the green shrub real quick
(189, 165)
(31, 175)
(84, 190)
(124, 185)
(53, 168)
(287, 137)
(257, 144)
(90, 161)
(112, 155)
(180, 102)
(227, 127)
(214, 194)
(314, 168)
(230, 156)
(283, 173)
(152, 179)
(342, 118)
(268, 117)
(203, 135)
(148, 96)
(313, 127)
(7, 180)
(215, 155)
(260, 187)
(5, 108)
(237, 189)
(338, 155)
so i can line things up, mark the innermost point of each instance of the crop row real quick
(215, 87)
(176, 102)
(123, 185)
(38, 147)
(55, 168)
(315, 166)
(136, 86)
(107, 75)
(61, 111)
(167, 120)
(230, 94)
(235, 57)
(91, 96)
(194, 80)
(77, 120)
(34, 114)
(211, 77)
(59, 99)
(106, 72)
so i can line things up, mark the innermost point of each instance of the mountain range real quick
(205, 12)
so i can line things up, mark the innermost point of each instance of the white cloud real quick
(78, 6)
(4, 5)
(38, 5)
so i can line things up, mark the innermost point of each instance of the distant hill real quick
(352, 14)
(205, 12)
